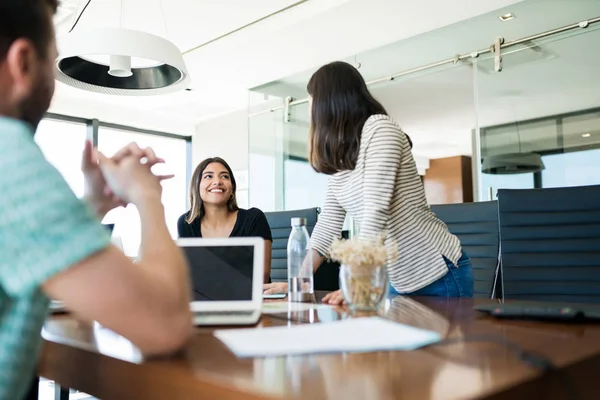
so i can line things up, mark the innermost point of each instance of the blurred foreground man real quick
(52, 244)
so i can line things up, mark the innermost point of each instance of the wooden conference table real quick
(96, 361)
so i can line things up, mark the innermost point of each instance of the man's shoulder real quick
(19, 153)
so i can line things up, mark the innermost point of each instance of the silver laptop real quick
(227, 279)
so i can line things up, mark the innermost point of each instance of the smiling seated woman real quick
(214, 212)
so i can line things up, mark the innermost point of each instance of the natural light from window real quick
(174, 151)
(62, 144)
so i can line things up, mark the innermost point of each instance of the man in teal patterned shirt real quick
(52, 244)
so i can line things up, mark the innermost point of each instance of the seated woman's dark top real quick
(249, 223)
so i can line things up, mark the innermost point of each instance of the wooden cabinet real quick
(449, 180)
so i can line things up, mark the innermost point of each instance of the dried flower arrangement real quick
(362, 260)
(363, 253)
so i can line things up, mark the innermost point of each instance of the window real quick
(62, 144)
(174, 151)
(578, 168)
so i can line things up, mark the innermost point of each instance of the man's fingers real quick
(102, 159)
(150, 156)
(132, 149)
(87, 157)
(154, 162)
(165, 177)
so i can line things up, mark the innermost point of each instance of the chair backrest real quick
(280, 223)
(550, 240)
(476, 225)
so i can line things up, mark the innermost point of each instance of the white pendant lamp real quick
(120, 61)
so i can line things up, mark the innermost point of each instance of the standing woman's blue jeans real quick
(458, 282)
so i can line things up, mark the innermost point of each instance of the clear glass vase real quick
(364, 288)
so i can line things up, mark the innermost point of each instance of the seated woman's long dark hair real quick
(197, 206)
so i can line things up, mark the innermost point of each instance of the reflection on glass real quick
(491, 183)
(304, 188)
(545, 103)
(439, 128)
(126, 220)
(572, 169)
(265, 161)
(62, 144)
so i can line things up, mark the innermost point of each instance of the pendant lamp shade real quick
(510, 164)
(77, 64)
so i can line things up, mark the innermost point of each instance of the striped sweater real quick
(384, 193)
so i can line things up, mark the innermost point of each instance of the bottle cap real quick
(298, 222)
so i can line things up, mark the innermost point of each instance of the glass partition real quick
(303, 187)
(265, 160)
(540, 116)
(534, 124)
(281, 177)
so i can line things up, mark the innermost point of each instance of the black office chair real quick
(476, 225)
(326, 277)
(550, 241)
(280, 223)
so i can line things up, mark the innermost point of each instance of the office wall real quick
(225, 137)
(91, 108)
(449, 181)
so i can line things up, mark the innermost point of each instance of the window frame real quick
(538, 182)
(93, 126)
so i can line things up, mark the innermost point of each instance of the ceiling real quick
(307, 35)
(438, 107)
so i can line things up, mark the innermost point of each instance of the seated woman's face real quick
(215, 185)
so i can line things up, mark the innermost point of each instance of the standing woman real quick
(374, 179)
(214, 211)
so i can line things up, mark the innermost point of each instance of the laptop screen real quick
(221, 273)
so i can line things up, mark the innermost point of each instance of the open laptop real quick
(227, 279)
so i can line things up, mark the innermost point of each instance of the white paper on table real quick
(346, 336)
(278, 307)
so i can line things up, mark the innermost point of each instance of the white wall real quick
(94, 105)
(225, 137)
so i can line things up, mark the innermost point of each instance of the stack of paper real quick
(351, 335)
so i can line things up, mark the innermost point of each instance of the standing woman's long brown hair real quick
(341, 104)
